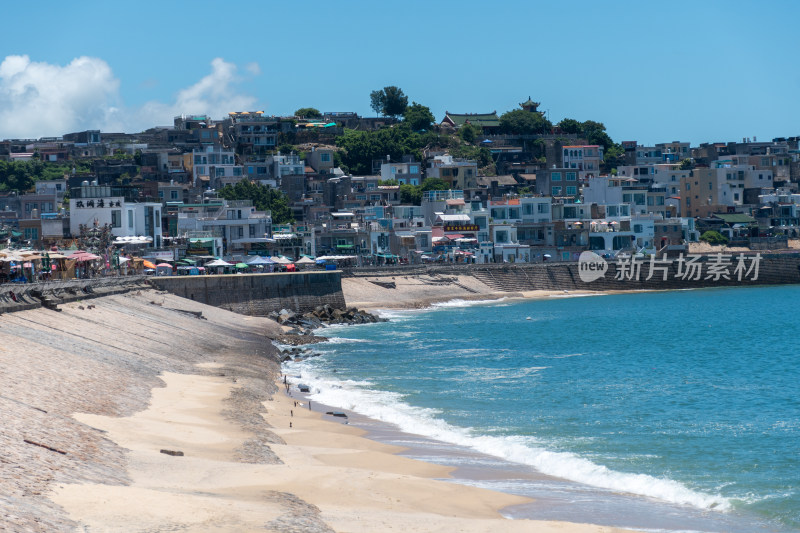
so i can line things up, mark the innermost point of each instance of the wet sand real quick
(337, 479)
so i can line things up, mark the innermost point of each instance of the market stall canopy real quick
(242, 265)
(163, 265)
(281, 260)
(218, 263)
(148, 264)
(258, 260)
(82, 256)
(133, 240)
(305, 261)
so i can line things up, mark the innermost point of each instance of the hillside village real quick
(401, 187)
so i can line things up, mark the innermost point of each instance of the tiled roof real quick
(479, 119)
(734, 218)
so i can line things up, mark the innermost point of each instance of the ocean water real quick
(669, 411)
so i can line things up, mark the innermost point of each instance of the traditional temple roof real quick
(479, 119)
(530, 105)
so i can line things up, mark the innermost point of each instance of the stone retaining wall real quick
(259, 294)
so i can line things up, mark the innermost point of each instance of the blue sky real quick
(652, 72)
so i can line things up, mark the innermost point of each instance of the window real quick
(173, 195)
(240, 231)
(220, 172)
(252, 231)
(130, 218)
(31, 234)
(542, 208)
(627, 198)
(571, 176)
(555, 176)
(116, 218)
(637, 228)
(237, 171)
(572, 190)
(157, 217)
(413, 169)
(556, 191)
(325, 158)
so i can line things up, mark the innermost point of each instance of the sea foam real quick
(389, 407)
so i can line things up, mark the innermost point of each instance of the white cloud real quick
(39, 99)
(214, 95)
(253, 68)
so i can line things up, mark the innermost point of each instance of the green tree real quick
(687, 164)
(286, 148)
(713, 237)
(418, 117)
(376, 99)
(390, 101)
(521, 122)
(360, 148)
(469, 132)
(411, 194)
(264, 199)
(570, 125)
(434, 184)
(595, 133)
(308, 112)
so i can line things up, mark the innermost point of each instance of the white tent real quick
(217, 263)
(281, 260)
(258, 260)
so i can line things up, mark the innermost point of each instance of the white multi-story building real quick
(236, 222)
(117, 206)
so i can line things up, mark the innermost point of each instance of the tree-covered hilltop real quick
(264, 199)
(20, 175)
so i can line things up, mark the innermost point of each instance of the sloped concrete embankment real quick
(104, 358)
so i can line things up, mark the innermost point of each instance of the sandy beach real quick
(328, 477)
(133, 413)
(416, 292)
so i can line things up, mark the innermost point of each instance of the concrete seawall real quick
(708, 271)
(259, 294)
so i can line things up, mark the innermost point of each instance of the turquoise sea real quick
(666, 411)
